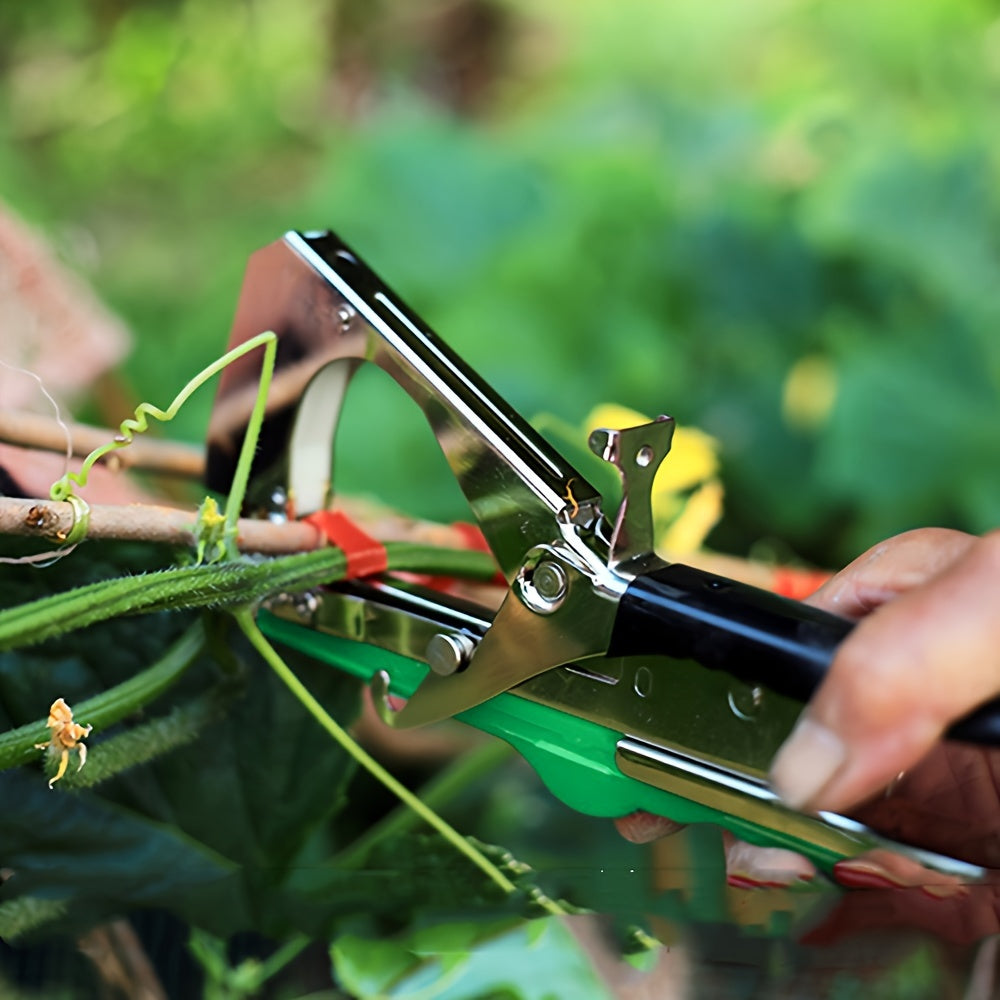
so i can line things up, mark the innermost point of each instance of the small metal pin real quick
(447, 653)
(345, 314)
(303, 605)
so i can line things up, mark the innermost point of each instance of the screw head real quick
(549, 580)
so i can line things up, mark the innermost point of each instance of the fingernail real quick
(644, 827)
(863, 873)
(740, 881)
(806, 762)
(748, 865)
(945, 890)
(853, 874)
(745, 882)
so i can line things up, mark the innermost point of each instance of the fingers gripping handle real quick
(757, 636)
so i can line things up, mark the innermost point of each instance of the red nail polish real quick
(742, 882)
(854, 877)
(745, 882)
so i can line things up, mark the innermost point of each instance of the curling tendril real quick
(62, 489)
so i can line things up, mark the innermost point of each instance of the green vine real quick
(222, 579)
(429, 816)
(221, 585)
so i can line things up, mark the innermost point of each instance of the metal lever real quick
(636, 452)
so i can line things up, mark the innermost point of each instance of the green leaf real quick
(210, 830)
(470, 961)
(254, 788)
(19, 917)
(369, 968)
(98, 858)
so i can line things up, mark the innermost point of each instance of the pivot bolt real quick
(447, 653)
(549, 579)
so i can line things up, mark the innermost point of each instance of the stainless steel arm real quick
(332, 313)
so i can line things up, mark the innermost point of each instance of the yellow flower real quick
(698, 516)
(66, 735)
(809, 392)
(209, 532)
(681, 521)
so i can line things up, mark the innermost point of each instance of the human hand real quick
(925, 652)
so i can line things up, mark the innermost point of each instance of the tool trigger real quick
(378, 686)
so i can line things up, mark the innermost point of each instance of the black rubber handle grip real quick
(757, 636)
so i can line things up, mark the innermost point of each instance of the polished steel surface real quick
(636, 452)
(402, 618)
(524, 639)
(332, 313)
(674, 703)
(446, 653)
(753, 802)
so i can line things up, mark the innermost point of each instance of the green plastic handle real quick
(574, 757)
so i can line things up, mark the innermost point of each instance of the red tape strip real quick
(798, 583)
(472, 537)
(366, 556)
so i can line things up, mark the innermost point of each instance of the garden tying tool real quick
(627, 682)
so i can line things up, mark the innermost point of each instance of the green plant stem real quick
(464, 771)
(238, 487)
(274, 963)
(222, 585)
(226, 982)
(316, 710)
(18, 745)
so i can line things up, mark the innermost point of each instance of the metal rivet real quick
(447, 653)
(549, 580)
(307, 603)
(277, 505)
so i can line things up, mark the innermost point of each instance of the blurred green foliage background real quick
(775, 220)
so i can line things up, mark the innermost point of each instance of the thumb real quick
(915, 664)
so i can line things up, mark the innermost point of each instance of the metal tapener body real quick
(628, 682)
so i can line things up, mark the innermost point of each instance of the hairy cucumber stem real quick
(220, 585)
(238, 488)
